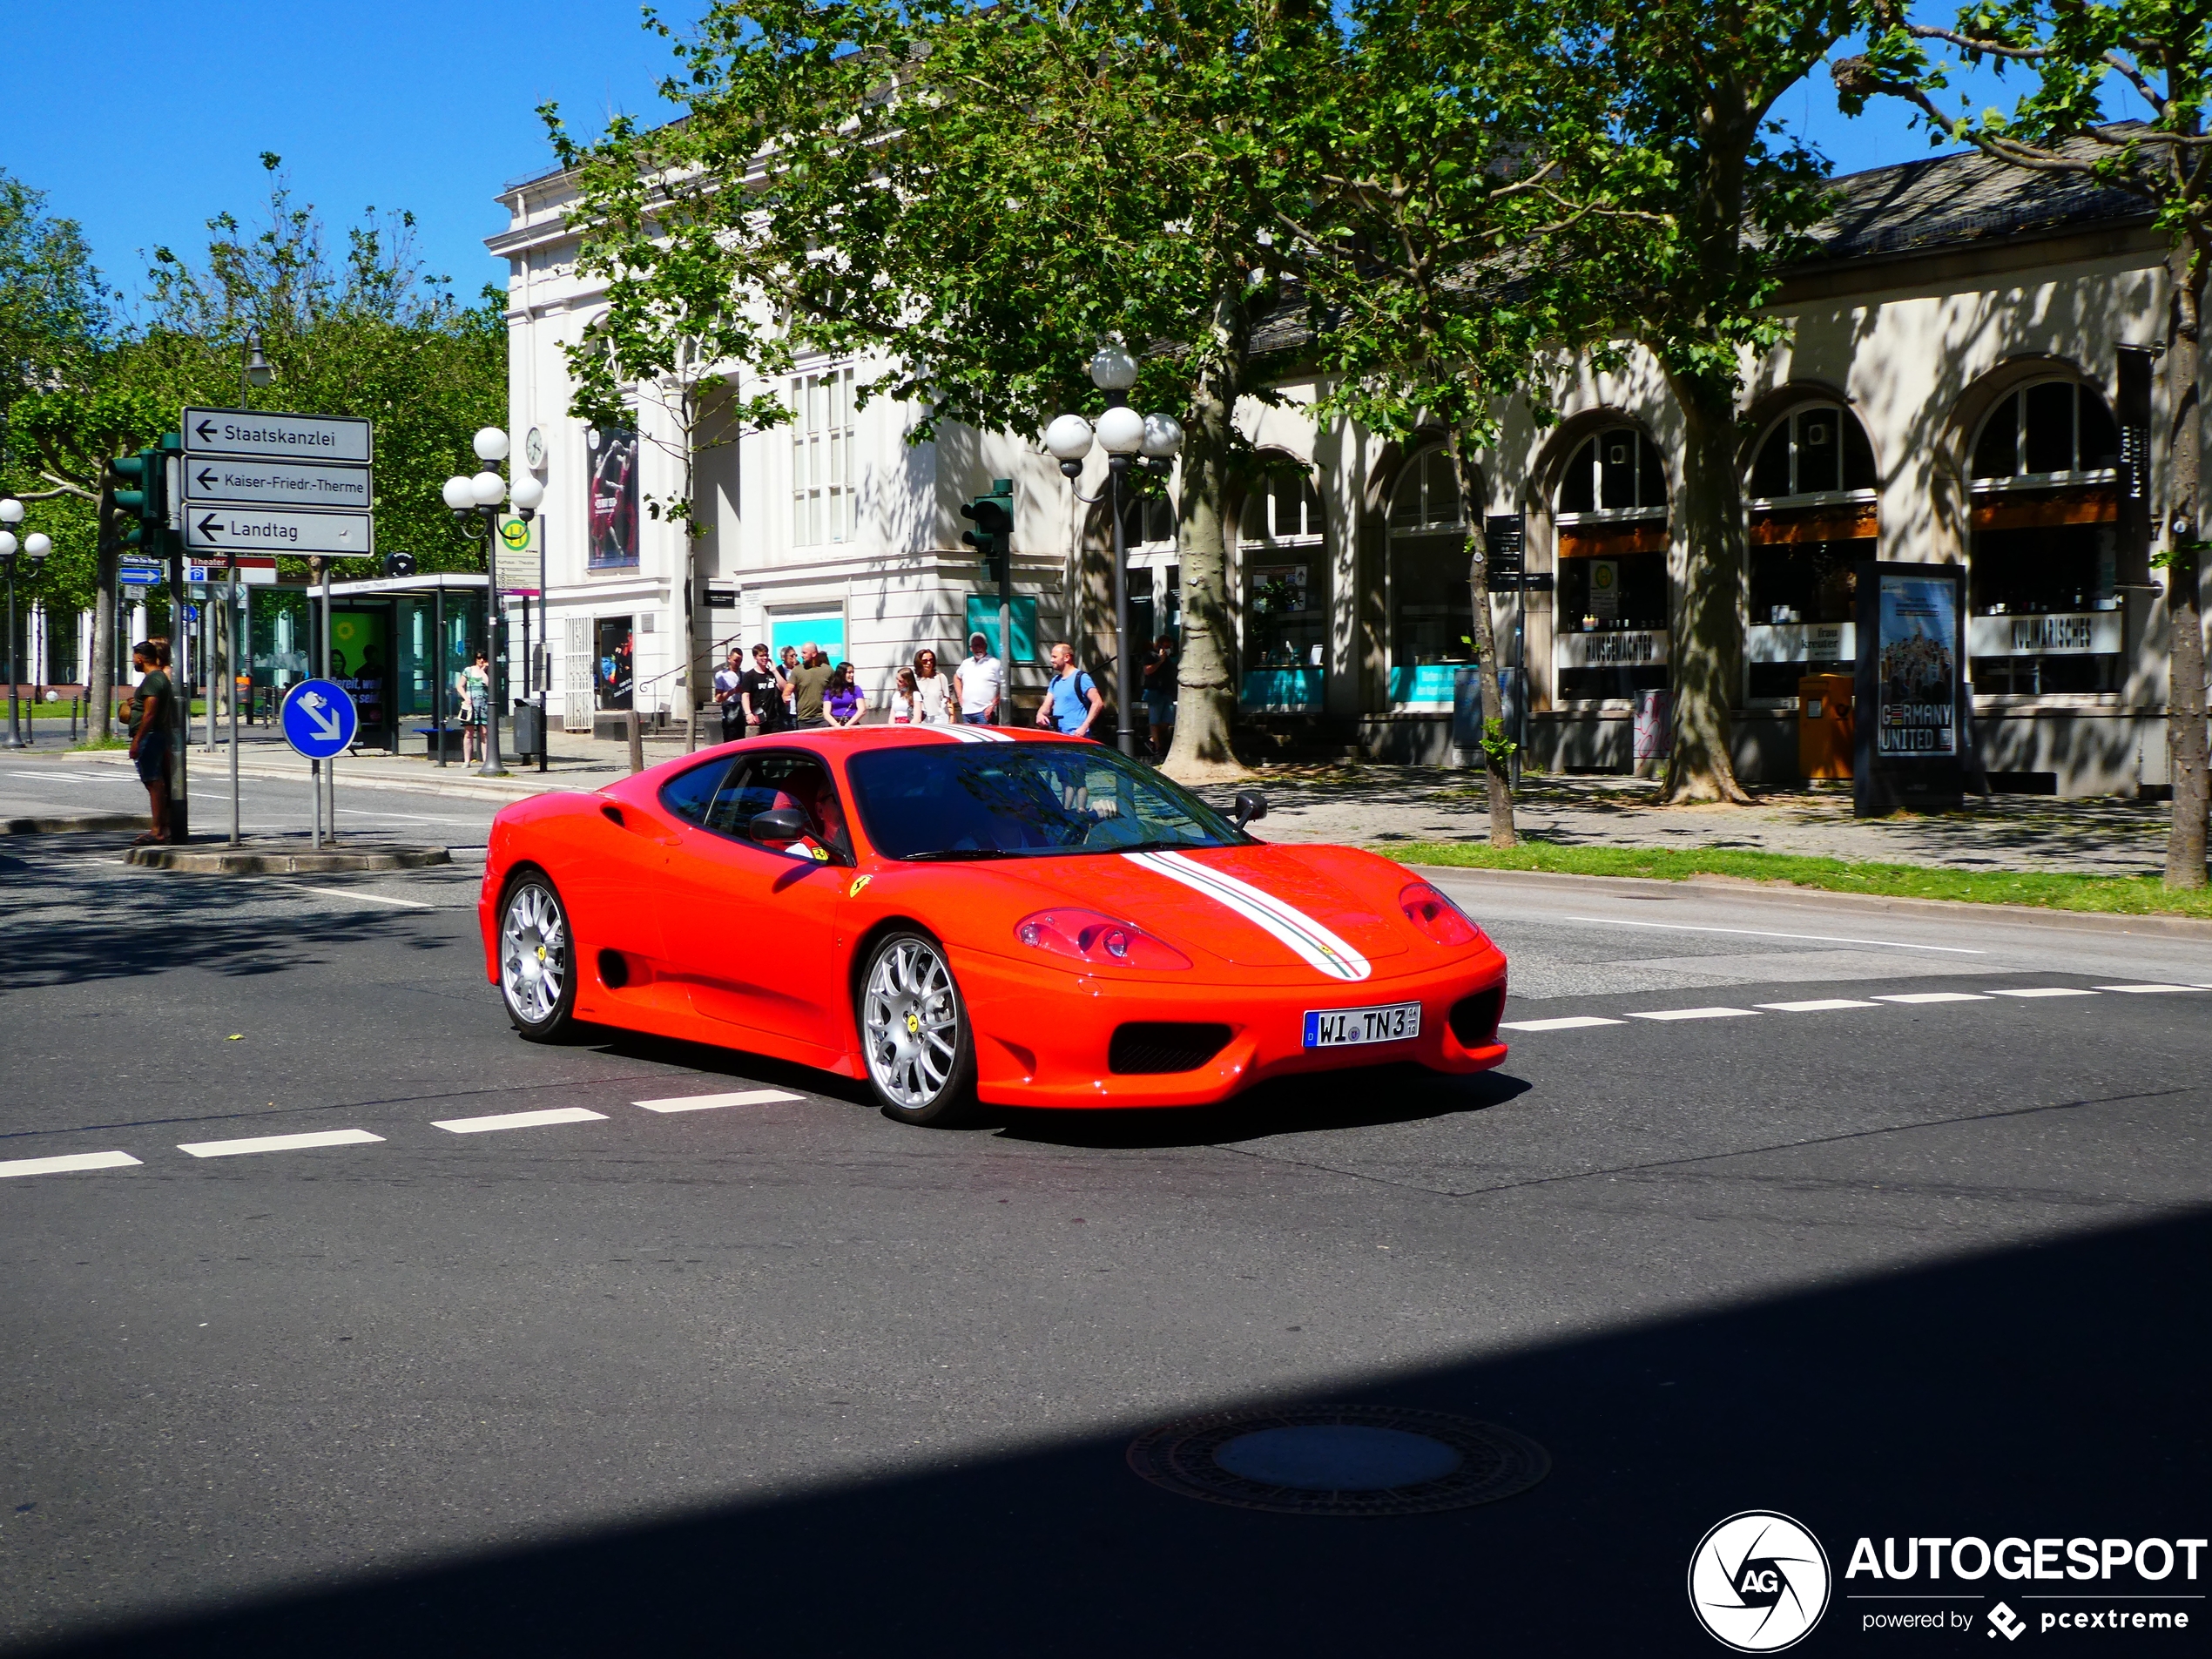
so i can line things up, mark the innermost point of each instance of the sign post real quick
(1908, 715)
(318, 720)
(254, 484)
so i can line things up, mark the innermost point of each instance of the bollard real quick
(636, 742)
(72, 723)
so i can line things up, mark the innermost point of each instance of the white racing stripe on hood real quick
(1264, 910)
(970, 733)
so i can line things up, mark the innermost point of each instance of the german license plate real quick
(1341, 1027)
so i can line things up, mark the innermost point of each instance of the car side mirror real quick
(778, 828)
(1251, 805)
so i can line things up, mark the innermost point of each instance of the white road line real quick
(1691, 1013)
(1571, 1022)
(2044, 990)
(1821, 1006)
(277, 1143)
(2140, 988)
(410, 818)
(1762, 932)
(368, 898)
(1931, 997)
(520, 1120)
(63, 1165)
(708, 1103)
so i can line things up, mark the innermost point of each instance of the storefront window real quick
(1432, 607)
(2043, 582)
(1611, 610)
(1281, 547)
(1814, 516)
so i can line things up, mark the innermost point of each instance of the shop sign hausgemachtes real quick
(1912, 726)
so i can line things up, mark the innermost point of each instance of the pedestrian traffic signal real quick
(993, 536)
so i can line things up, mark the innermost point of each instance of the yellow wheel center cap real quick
(541, 953)
(913, 1025)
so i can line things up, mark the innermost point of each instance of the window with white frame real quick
(821, 460)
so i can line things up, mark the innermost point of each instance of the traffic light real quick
(993, 536)
(139, 482)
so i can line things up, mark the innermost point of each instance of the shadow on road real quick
(2053, 1390)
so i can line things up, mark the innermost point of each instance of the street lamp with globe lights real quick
(479, 495)
(34, 547)
(1129, 439)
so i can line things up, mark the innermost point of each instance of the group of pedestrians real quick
(805, 690)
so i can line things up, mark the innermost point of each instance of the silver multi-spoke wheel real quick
(911, 1027)
(533, 957)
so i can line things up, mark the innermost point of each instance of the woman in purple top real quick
(842, 698)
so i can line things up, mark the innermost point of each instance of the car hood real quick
(1255, 907)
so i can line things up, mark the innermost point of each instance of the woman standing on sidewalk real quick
(473, 683)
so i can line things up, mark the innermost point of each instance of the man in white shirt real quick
(728, 688)
(981, 681)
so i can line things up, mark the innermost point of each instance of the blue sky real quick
(399, 104)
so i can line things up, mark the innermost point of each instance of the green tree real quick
(2161, 52)
(1450, 243)
(1725, 198)
(981, 195)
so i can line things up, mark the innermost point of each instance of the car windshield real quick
(987, 800)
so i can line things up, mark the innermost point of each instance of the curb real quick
(1815, 898)
(232, 861)
(469, 788)
(76, 823)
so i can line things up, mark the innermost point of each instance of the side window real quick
(690, 795)
(773, 783)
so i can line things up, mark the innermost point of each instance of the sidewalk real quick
(1373, 805)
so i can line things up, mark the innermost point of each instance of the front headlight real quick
(1098, 941)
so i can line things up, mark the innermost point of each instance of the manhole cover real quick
(1339, 1460)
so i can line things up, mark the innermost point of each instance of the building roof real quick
(1956, 200)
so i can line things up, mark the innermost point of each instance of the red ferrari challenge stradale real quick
(964, 913)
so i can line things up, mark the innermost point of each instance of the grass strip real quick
(2140, 896)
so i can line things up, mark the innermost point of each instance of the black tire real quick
(537, 959)
(916, 1036)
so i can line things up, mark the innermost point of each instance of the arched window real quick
(1611, 612)
(1431, 606)
(2043, 581)
(1280, 545)
(1814, 516)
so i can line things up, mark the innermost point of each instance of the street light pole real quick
(1148, 441)
(11, 516)
(480, 495)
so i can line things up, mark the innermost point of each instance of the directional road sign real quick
(280, 529)
(319, 719)
(297, 437)
(255, 572)
(142, 575)
(277, 483)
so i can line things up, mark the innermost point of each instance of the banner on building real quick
(613, 544)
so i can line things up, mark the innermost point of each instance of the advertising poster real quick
(1916, 670)
(1605, 589)
(613, 544)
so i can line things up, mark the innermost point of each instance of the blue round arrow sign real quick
(319, 719)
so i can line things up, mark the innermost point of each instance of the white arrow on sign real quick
(328, 727)
(301, 437)
(281, 529)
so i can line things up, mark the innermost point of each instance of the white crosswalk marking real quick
(64, 1165)
(1571, 1022)
(277, 1143)
(1692, 1014)
(1931, 997)
(1820, 1005)
(709, 1102)
(2044, 990)
(2153, 988)
(519, 1119)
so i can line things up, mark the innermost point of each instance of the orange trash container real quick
(1825, 731)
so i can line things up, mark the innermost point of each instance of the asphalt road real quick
(784, 1377)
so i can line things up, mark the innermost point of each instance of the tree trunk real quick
(1705, 650)
(107, 559)
(1497, 757)
(2185, 693)
(1205, 675)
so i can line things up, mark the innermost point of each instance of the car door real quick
(752, 928)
